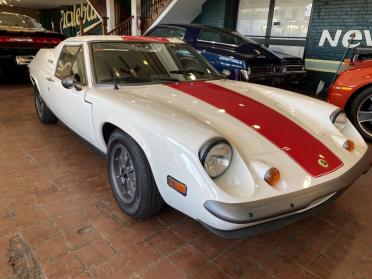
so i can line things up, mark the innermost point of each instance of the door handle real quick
(50, 79)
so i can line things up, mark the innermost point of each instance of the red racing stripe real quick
(301, 146)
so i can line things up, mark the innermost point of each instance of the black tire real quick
(44, 114)
(362, 103)
(144, 200)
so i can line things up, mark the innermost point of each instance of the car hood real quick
(253, 118)
(280, 104)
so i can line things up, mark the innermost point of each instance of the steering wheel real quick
(189, 63)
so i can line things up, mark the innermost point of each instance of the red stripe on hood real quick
(272, 125)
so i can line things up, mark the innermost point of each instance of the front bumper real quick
(266, 214)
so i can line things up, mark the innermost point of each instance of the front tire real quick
(44, 114)
(361, 113)
(130, 176)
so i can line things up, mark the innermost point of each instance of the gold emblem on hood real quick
(323, 163)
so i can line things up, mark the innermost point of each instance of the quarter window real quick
(71, 63)
(219, 37)
(168, 32)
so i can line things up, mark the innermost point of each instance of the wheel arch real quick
(354, 95)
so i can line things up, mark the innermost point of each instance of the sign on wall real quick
(343, 37)
(66, 18)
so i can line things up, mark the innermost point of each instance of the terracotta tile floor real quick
(58, 218)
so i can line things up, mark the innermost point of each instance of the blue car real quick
(228, 50)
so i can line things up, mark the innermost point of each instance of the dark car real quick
(21, 37)
(226, 49)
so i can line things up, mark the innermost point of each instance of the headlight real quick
(216, 156)
(339, 119)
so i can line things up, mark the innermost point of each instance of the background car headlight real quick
(339, 119)
(216, 156)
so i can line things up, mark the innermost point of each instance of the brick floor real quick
(54, 194)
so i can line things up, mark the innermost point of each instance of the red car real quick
(352, 91)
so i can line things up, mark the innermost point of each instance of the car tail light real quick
(272, 176)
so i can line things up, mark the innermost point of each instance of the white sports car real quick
(238, 157)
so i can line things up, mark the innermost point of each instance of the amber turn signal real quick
(349, 145)
(176, 185)
(272, 176)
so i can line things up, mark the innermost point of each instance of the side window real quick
(218, 37)
(168, 32)
(78, 68)
(71, 63)
(210, 36)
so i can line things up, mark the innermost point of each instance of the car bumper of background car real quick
(267, 214)
(10, 63)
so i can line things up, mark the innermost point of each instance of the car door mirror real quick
(70, 82)
(226, 73)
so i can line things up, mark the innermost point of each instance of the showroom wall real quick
(220, 13)
(331, 25)
(66, 18)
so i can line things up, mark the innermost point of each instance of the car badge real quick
(323, 163)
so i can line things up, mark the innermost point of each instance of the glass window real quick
(71, 63)
(291, 18)
(78, 68)
(168, 32)
(252, 17)
(219, 37)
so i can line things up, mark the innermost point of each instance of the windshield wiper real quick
(191, 71)
(140, 79)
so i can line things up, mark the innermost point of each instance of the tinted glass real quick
(168, 32)
(219, 37)
(147, 62)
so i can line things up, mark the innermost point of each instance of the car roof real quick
(197, 26)
(104, 38)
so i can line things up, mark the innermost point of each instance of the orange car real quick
(352, 91)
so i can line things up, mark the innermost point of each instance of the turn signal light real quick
(349, 145)
(272, 176)
(176, 185)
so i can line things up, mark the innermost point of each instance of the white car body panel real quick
(171, 126)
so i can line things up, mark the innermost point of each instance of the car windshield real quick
(18, 21)
(148, 62)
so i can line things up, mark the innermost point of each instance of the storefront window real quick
(252, 17)
(291, 18)
(288, 23)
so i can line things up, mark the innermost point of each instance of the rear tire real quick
(361, 113)
(130, 176)
(44, 114)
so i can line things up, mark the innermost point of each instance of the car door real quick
(219, 48)
(69, 105)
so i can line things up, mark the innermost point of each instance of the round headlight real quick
(339, 119)
(215, 157)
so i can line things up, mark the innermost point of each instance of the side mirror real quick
(226, 73)
(69, 83)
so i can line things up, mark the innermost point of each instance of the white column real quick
(110, 8)
(136, 13)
